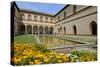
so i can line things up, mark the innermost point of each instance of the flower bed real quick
(83, 56)
(28, 53)
(25, 54)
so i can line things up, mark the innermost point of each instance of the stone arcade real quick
(71, 20)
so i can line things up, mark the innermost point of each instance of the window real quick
(93, 27)
(35, 17)
(74, 29)
(46, 19)
(60, 28)
(58, 17)
(29, 17)
(74, 9)
(51, 19)
(64, 30)
(22, 16)
(64, 14)
(41, 19)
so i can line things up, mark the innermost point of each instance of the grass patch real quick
(29, 40)
(25, 39)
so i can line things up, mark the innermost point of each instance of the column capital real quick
(44, 26)
(25, 24)
(32, 25)
(38, 25)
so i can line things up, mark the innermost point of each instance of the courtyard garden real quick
(26, 51)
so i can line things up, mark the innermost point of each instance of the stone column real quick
(43, 34)
(25, 29)
(32, 29)
(49, 30)
(43, 30)
(38, 31)
(53, 30)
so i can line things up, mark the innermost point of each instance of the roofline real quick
(61, 10)
(36, 12)
(14, 3)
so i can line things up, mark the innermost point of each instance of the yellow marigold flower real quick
(17, 59)
(40, 55)
(25, 56)
(31, 62)
(59, 61)
(58, 56)
(46, 60)
(37, 61)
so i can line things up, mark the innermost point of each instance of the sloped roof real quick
(36, 12)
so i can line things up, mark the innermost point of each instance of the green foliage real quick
(83, 56)
(26, 60)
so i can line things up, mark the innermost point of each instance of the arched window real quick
(35, 29)
(41, 18)
(74, 8)
(58, 30)
(41, 30)
(29, 29)
(93, 27)
(29, 17)
(46, 19)
(64, 14)
(64, 30)
(35, 17)
(21, 28)
(22, 16)
(58, 17)
(74, 29)
(51, 30)
(51, 20)
(46, 30)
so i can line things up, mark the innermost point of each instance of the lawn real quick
(25, 39)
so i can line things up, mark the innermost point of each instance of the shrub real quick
(83, 56)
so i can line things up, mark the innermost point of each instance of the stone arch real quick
(41, 29)
(29, 29)
(51, 30)
(46, 30)
(93, 27)
(58, 31)
(74, 29)
(35, 29)
(21, 29)
(64, 30)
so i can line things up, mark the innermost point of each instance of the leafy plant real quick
(83, 56)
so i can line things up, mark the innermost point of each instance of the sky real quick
(41, 7)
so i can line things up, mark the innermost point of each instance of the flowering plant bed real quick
(28, 53)
(25, 54)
